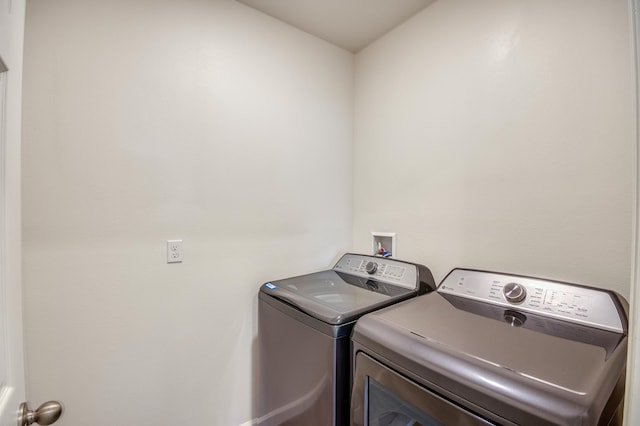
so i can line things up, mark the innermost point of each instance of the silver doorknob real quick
(45, 414)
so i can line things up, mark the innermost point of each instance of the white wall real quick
(493, 134)
(201, 120)
(499, 135)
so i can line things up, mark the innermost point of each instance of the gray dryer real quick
(493, 349)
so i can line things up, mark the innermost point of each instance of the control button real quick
(514, 319)
(371, 267)
(582, 311)
(514, 292)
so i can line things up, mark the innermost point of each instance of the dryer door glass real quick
(382, 397)
(387, 409)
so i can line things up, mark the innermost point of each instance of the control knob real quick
(514, 292)
(371, 267)
(514, 319)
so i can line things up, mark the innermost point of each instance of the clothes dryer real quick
(493, 349)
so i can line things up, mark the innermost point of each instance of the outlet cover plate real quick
(174, 251)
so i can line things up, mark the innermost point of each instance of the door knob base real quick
(23, 415)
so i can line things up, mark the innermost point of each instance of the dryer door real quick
(382, 397)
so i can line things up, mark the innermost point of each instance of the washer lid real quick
(334, 297)
(531, 369)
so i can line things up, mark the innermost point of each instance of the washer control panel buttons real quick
(514, 319)
(381, 269)
(571, 302)
(514, 292)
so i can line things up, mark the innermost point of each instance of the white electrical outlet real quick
(174, 251)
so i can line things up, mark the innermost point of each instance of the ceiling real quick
(350, 24)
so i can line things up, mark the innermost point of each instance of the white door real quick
(12, 379)
(12, 411)
(11, 364)
(12, 388)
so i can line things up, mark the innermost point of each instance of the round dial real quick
(371, 267)
(514, 319)
(514, 292)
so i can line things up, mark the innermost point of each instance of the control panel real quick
(380, 269)
(570, 302)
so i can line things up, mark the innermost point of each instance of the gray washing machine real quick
(304, 328)
(490, 348)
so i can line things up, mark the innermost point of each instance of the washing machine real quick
(304, 327)
(490, 348)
